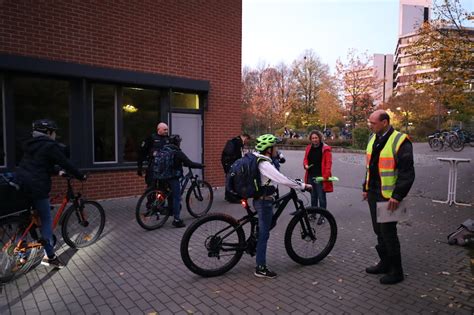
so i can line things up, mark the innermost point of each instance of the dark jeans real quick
(387, 237)
(175, 196)
(318, 196)
(265, 214)
(44, 211)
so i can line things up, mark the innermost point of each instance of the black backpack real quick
(163, 163)
(243, 179)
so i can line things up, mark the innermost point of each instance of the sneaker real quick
(321, 220)
(263, 272)
(178, 223)
(54, 262)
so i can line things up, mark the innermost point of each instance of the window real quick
(141, 113)
(2, 125)
(184, 100)
(36, 98)
(104, 123)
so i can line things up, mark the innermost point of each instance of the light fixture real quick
(129, 108)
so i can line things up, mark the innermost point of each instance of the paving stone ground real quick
(130, 270)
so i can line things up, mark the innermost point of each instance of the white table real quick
(453, 176)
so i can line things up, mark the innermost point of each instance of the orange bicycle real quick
(20, 238)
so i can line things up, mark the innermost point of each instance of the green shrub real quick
(361, 137)
(339, 143)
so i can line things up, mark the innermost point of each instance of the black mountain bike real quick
(214, 244)
(153, 208)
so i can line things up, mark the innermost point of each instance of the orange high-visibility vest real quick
(387, 172)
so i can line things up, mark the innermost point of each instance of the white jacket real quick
(269, 174)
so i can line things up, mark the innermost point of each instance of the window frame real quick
(116, 138)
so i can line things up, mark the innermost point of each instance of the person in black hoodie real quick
(180, 159)
(42, 154)
(233, 150)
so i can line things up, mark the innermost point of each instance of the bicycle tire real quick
(457, 145)
(11, 264)
(309, 252)
(437, 144)
(199, 198)
(152, 209)
(196, 248)
(78, 233)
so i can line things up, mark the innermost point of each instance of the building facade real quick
(107, 72)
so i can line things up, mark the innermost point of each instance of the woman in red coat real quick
(318, 162)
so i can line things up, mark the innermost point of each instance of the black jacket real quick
(232, 152)
(155, 142)
(404, 167)
(41, 155)
(180, 160)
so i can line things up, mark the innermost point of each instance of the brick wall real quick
(197, 39)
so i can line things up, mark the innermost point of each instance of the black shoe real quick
(263, 272)
(321, 220)
(377, 269)
(392, 278)
(53, 262)
(178, 223)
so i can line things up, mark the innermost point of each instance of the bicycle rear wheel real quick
(14, 264)
(308, 240)
(457, 145)
(152, 209)
(213, 245)
(199, 198)
(83, 225)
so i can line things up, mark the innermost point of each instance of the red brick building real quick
(108, 71)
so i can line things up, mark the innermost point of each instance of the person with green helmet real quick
(263, 204)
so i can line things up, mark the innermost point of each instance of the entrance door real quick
(189, 127)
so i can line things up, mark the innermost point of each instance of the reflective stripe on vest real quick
(387, 162)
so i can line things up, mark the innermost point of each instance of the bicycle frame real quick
(34, 217)
(250, 217)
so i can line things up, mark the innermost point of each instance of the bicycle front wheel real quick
(212, 245)
(436, 144)
(83, 225)
(310, 236)
(152, 209)
(199, 198)
(14, 264)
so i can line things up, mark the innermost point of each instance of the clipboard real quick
(385, 216)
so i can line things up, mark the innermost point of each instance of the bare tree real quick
(360, 83)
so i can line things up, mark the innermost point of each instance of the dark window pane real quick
(140, 110)
(2, 142)
(104, 123)
(37, 98)
(184, 100)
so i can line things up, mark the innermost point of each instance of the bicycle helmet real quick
(266, 141)
(175, 139)
(44, 125)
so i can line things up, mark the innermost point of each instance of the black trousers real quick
(387, 238)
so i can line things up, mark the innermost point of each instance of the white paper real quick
(384, 215)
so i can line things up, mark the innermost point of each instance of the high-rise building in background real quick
(413, 13)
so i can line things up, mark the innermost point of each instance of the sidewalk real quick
(130, 270)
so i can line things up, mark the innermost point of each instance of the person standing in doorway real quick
(389, 176)
(318, 163)
(233, 151)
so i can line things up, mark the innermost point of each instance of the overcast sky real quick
(275, 31)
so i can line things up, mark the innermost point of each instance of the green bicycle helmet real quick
(265, 141)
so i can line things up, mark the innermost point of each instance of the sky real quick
(275, 31)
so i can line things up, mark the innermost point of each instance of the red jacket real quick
(326, 165)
